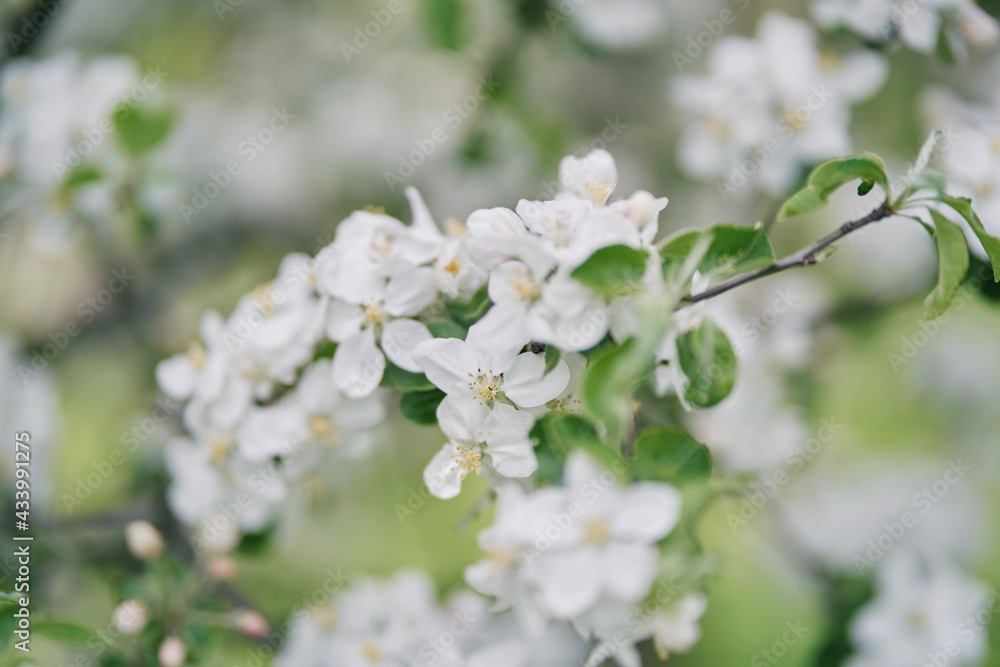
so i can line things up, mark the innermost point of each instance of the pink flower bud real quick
(130, 616)
(144, 540)
(252, 624)
(172, 652)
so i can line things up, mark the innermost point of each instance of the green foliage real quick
(65, 632)
(420, 407)
(709, 362)
(447, 329)
(445, 21)
(466, 313)
(736, 250)
(730, 250)
(668, 454)
(552, 356)
(397, 378)
(607, 386)
(990, 243)
(559, 435)
(828, 176)
(613, 271)
(953, 263)
(79, 177)
(141, 130)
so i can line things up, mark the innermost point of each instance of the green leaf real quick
(991, 244)
(613, 271)
(468, 312)
(552, 356)
(953, 263)
(140, 130)
(445, 21)
(420, 407)
(735, 250)
(709, 362)
(447, 329)
(560, 435)
(325, 350)
(676, 249)
(828, 176)
(403, 380)
(607, 387)
(82, 175)
(65, 632)
(668, 454)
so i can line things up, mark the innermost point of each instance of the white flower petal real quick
(358, 365)
(443, 476)
(648, 511)
(399, 338)
(447, 363)
(527, 384)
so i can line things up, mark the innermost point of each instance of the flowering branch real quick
(804, 257)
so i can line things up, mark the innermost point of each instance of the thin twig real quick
(804, 257)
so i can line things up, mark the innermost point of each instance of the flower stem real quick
(805, 257)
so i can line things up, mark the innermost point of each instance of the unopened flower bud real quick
(222, 568)
(172, 652)
(252, 624)
(130, 616)
(144, 540)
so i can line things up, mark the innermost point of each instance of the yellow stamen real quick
(196, 355)
(373, 208)
(374, 314)
(486, 386)
(469, 459)
(454, 227)
(453, 268)
(322, 429)
(599, 192)
(370, 652)
(263, 298)
(597, 532)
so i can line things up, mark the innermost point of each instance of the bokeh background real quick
(499, 90)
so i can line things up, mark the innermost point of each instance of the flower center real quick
(382, 246)
(995, 143)
(597, 532)
(525, 288)
(486, 385)
(453, 268)
(795, 119)
(196, 355)
(469, 459)
(718, 128)
(454, 227)
(370, 651)
(264, 300)
(829, 61)
(599, 192)
(374, 313)
(568, 405)
(322, 429)
(219, 447)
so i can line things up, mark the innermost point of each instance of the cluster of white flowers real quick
(970, 154)
(771, 105)
(917, 24)
(59, 153)
(581, 557)
(586, 553)
(400, 622)
(262, 389)
(260, 386)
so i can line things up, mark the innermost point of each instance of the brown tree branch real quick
(804, 257)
